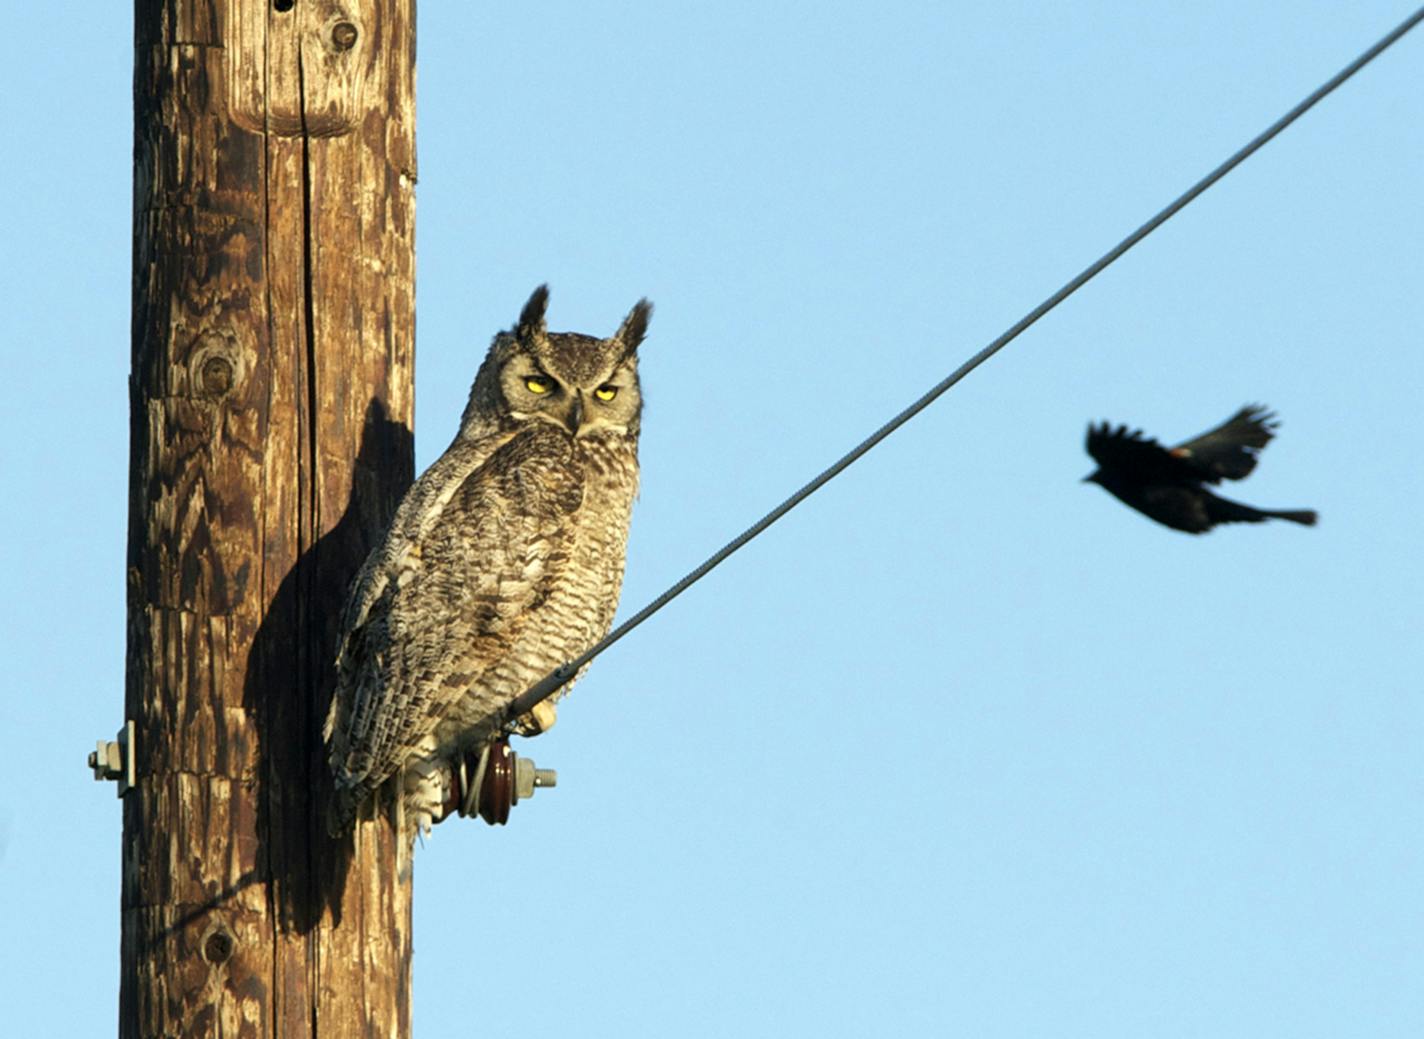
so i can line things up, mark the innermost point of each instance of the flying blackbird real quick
(1166, 483)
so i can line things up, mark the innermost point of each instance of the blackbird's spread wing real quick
(1229, 451)
(1131, 454)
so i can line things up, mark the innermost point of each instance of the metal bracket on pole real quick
(114, 759)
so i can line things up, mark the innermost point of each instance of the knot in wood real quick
(216, 365)
(216, 376)
(218, 947)
(343, 36)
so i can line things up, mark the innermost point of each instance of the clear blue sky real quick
(962, 746)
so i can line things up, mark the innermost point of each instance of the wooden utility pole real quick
(274, 175)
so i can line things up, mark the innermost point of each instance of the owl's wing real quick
(422, 506)
(436, 613)
(1229, 451)
(395, 558)
(1133, 454)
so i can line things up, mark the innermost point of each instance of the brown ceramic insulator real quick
(497, 795)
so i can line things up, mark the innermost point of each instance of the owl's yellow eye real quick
(539, 384)
(606, 392)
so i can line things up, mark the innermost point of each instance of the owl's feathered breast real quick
(503, 567)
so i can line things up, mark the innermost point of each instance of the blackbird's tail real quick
(1224, 510)
(1307, 517)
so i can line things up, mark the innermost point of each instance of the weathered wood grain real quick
(273, 331)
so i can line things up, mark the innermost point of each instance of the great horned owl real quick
(503, 561)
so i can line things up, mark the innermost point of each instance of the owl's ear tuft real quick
(635, 326)
(531, 318)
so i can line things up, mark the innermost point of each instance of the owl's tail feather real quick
(406, 829)
(341, 813)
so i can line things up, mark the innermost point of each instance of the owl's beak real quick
(574, 418)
